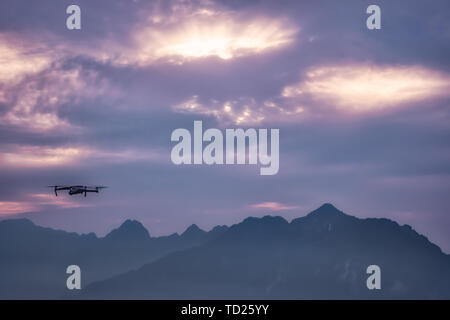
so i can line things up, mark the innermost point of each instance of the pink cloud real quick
(272, 206)
(8, 208)
(36, 202)
(43, 156)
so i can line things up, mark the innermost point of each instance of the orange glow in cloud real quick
(272, 206)
(368, 88)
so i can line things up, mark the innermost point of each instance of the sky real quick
(363, 114)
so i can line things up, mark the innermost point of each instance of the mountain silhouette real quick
(323, 255)
(129, 231)
(193, 232)
(33, 259)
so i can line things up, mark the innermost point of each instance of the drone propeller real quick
(55, 189)
(100, 187)
(59, 187)
(78, 189)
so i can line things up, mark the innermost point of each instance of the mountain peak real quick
(129, 230)
(326, 210)
(325, 213)
(328, 206)
(193, 229)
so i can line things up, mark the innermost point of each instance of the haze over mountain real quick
(33, 259)
(322, 255)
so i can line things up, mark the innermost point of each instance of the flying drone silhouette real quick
(77, 189)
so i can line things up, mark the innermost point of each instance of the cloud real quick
(46, 199)
(206, 32)
(272, 206)
(98, 105)
(37, 202)
(365, 88)
(36, 156)
(44, 156)
(20, 58)
(242, 111)
(34, 104)
(8, 208)
(325, 90)
(180, 31)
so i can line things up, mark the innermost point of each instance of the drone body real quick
(77, 189)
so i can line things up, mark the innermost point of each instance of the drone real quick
(77, 189)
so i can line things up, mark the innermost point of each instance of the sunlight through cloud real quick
(363, 88)
(189, 34)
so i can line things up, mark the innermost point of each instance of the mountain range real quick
(33, 259)
(323, 255)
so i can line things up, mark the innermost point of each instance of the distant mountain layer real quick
(323, 255)
(33, 259)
